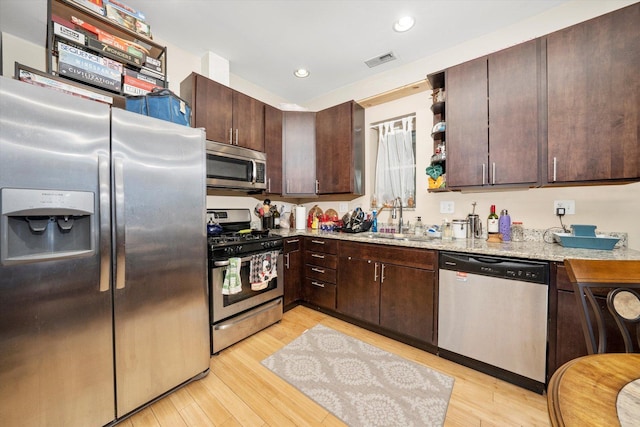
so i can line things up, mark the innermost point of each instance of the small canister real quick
(459, 228)
(517, 232)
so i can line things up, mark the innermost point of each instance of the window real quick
(395, 163)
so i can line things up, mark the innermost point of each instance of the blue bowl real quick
(584, 230)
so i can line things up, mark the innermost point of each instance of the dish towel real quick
(263, 268)
(232, 283)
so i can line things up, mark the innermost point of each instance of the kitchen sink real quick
(399, 236)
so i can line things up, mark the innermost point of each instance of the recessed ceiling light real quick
(301, 73)
(404, 24)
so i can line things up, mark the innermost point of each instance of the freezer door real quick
(56, 336)
(161, 316)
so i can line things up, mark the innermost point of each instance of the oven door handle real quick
(225, 263)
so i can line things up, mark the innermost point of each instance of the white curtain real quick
(396, 165)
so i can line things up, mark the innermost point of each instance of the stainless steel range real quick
(251, 261)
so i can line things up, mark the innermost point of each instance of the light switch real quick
(447, 207)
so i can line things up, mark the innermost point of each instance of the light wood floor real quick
(239, 391)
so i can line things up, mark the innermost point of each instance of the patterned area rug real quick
(362, 384)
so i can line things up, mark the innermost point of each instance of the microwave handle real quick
(254, 172)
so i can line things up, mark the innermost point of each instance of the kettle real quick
(474, 227)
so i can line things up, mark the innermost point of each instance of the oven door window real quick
(228, 168)
(247, 292)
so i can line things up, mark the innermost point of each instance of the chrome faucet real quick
(397, 202)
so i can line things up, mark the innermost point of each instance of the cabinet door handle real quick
(318, 270)
(320, 285)
(319, 242)
(555, 168)
(231, 136)
(293, 241)
(484, 172)
(375, 272)
(382, 275)
(493, 174)
(317, 186)
(286, 256)
(317, 256)
(236, 136)
(269, 185)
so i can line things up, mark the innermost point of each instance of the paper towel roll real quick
(301, 218)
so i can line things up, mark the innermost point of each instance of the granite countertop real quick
(528, 250)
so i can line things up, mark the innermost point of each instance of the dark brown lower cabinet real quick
(390, 287)
(359, 294)
(320, 262)
(293, 258)
(407, 301)
(566, 337)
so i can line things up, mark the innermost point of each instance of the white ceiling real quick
(265, 40)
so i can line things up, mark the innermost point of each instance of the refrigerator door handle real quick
(105, 223)
(119, 221)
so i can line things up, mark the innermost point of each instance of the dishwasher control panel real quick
(506, 268)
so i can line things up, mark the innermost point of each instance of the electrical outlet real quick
(447, 207)
(343, 207)
(568, 205)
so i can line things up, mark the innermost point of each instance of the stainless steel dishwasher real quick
(492, 316)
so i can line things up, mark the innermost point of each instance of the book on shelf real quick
(95, 6)
(39, 79)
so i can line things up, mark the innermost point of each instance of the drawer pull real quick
(318, 284)
(319, 242)
(318, 270)
(317, 256)
(293, 241)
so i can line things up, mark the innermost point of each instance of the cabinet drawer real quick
(320, 293)
(314, 244)
(320, 273)
(292, 244)
(408, 257)
(321, 259)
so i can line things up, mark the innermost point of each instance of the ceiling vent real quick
(385, 57)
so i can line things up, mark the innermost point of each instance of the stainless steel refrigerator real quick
(103, 290)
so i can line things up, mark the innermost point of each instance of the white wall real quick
(611, 208)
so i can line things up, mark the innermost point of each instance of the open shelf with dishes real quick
(436, 170)
(104, 45)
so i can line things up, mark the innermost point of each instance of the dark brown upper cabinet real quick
(227, 116)
(273, 148)
(593, 74)
(340, 149)
(492, 111)
(299, 153)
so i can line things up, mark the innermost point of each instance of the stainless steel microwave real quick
(235, 168)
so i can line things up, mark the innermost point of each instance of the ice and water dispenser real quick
(39, 225)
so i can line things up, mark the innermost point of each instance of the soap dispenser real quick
(419, 228)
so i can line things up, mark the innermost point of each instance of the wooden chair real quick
(620, 281)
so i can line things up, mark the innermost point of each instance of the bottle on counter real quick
(445, 230)
(418, 228)
(276, 218)
(493, 226)
(504, 225)
(374, 221)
